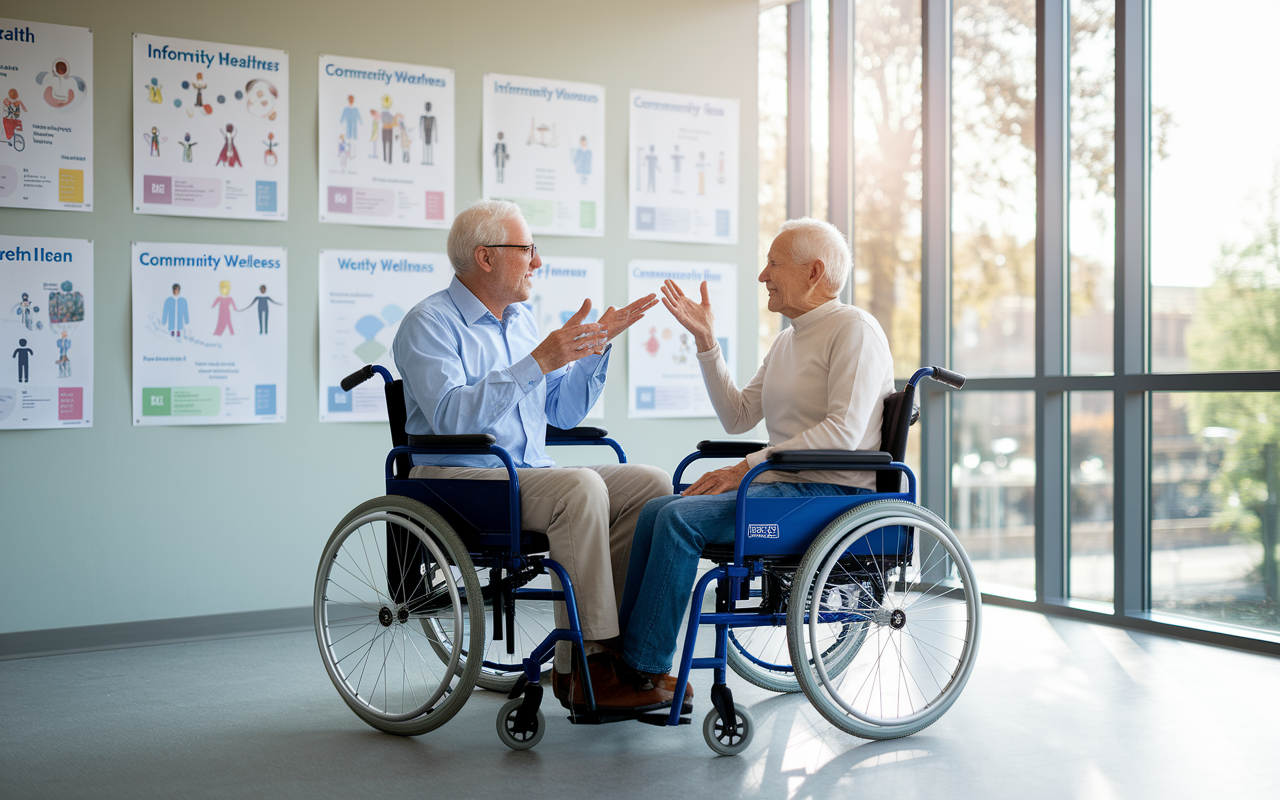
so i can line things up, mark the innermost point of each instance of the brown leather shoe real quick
(617, 688)
(667, 682)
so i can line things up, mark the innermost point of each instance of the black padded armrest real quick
(576, 433)
(730, 447)
(458, 440)
(834, 457)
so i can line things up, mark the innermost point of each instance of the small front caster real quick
(728, 740)
(518, 733)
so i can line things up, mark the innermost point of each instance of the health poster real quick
(210, 129)
(210, 334)
(46, 81)
(559, 287)
(684, 168)
(46, 296)
(543, 149)
(386, 143)
(363, 296)
(664, 376)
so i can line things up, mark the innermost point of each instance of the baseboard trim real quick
(87, 638)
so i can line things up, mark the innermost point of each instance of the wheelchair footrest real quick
(599, 719)
(659, 718)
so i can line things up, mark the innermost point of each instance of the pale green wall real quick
(120, 524)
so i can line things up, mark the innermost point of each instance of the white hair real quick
(817, 240)
(484, 222)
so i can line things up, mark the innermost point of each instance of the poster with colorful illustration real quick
(684, 168)
(664, 376)
(46, 332)
(47, 90)
(543, 149)
(559, 287)
(210, 334)
(386, 143)
(210, 129)
(363, 296)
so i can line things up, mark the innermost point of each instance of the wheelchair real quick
(865, 603)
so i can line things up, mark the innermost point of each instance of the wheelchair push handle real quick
(363, 374)
(940, 374)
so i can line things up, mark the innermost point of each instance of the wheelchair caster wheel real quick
(728, 740)
(519, 740)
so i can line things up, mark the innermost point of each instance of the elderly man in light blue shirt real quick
(472, 362)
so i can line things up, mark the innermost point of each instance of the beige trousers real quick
(589, 516)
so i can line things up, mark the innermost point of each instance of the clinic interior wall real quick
(117, 523)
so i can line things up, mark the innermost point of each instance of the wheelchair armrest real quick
(575, 433)
(730, 447)
(835, 458)
(454, 440)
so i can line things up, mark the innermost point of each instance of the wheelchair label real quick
(762, 532)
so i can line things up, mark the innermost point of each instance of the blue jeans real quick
(668, 542)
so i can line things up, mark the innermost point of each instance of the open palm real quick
(697, 318)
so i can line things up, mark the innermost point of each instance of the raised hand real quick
(617, 320)
(573, 341)
(696, 317)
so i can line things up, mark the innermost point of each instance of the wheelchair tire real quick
(381, 653)
(922, 635)
(519, 741)
(762, 655)
(728, 741)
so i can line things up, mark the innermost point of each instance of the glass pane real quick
(1215, 480)
(819, 105)
(1215, 195)
(887, 137)
(1091, 215)
(1091, 513)
(993, 486)
(993, 211)
(772, 191)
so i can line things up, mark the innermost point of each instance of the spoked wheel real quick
(508, 731)
(728, 739)
(534, 619)
(391, 615)
(921, 634)
(762, 655)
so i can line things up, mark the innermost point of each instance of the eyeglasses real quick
(531, 249)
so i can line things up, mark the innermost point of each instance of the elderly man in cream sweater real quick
(822, 387)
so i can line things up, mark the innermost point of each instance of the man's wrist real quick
(705, 342)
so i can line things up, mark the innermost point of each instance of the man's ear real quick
(817, 273)
(481, 257)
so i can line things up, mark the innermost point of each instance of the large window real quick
(1076, 203)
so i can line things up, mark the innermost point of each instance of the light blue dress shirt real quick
(466, 371)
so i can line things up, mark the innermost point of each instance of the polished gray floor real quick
(1055, 709)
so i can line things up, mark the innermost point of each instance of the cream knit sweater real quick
(821, 387)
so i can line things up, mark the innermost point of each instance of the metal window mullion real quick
(1051, 257)
(1132, 567)
(799, 102)
(935, 267)
(840, 125)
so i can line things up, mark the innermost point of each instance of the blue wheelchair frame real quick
(766, 530)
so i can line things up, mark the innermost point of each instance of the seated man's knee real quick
(675, 523)
(585, 486)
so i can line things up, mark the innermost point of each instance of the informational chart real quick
(386, 143)
(210, 129)
(364, 294)
(543, 149)
(47, 90)
(210, 334)
(664, 376)
(684, 168)
(559, 287)
(46, 329)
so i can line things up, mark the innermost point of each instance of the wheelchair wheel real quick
(921, 633)
(762, 656)
(518, 740)
(534, 619)
(391, 587)
(728, 740)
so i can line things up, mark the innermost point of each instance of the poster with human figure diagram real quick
(386, 143)
(46, 332)
(364, 294)
(543, 149)
(210, 131)
(664, 375)
(46, 92)
(683, 158)
(210, 334)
